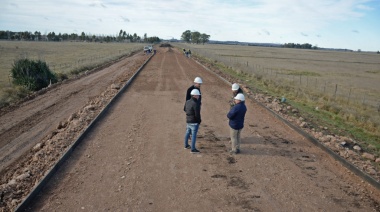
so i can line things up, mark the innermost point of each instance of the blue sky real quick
(351, 24)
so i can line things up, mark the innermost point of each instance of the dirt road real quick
(26, 125)
(134, 160)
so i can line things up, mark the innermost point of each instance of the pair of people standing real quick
(193, 113)
(193, 117)
(236, 117)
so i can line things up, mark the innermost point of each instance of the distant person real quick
(184, 51)
(188, 53)
(193, 119)
(236, 121)
(235, 91)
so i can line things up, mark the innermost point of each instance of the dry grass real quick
(318, 70)
(63, 58)
(308, 79)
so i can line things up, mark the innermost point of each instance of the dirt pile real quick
(165, 45)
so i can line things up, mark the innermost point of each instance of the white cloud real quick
(267, 20)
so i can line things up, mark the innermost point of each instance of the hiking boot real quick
(195, 151)
(187, 147)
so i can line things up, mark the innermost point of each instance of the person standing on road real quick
(193, 119)
(235, 91)
(197, 85)
(236, 121)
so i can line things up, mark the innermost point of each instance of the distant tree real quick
(37, 35)
(51, 36)
(83, 36)
(204, 38)
(186, 36)
(378, 52)
(3, 35)
(73, 36)
(196, 37)
(145, 37)
(153, 39)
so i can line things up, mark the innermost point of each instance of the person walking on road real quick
(236, 121)
(235, 91)
(193, 119)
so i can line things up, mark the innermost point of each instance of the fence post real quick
(349, 95)
(336, 89)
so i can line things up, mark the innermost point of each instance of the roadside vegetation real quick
(336, 113)
(64, 59)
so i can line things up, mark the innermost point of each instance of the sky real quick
(345, 24)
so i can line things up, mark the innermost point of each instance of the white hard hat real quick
(198, 80)
(240, 97)
(235, 87)
(195, 92)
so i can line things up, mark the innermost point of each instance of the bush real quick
(33, 75)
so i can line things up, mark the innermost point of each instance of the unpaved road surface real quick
(26, 125)
(134, 160)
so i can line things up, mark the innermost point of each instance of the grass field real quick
(345, 86)
(60, 56)
(63, 58)
(355, 75)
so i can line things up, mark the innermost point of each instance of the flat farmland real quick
(60, 56)
(355, 75)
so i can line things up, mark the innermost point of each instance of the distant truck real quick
(148, 48)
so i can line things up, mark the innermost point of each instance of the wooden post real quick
(316, 83)
(336, 89)
(349, 95)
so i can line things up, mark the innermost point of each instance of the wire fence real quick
(330, 89)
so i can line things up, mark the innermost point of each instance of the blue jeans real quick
(191, 128)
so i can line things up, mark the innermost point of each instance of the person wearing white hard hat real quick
(197, 85)
(236, 121)
(235, 91)
(193, 119)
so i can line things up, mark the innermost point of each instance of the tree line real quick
(299, 46)
(195, 37)
(122, 36)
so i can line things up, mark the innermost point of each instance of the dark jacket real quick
(188, 95)
(232, 103)
(239, 91)
(193, 111)
(236, 116)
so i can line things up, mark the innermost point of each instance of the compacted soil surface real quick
(134, 159)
